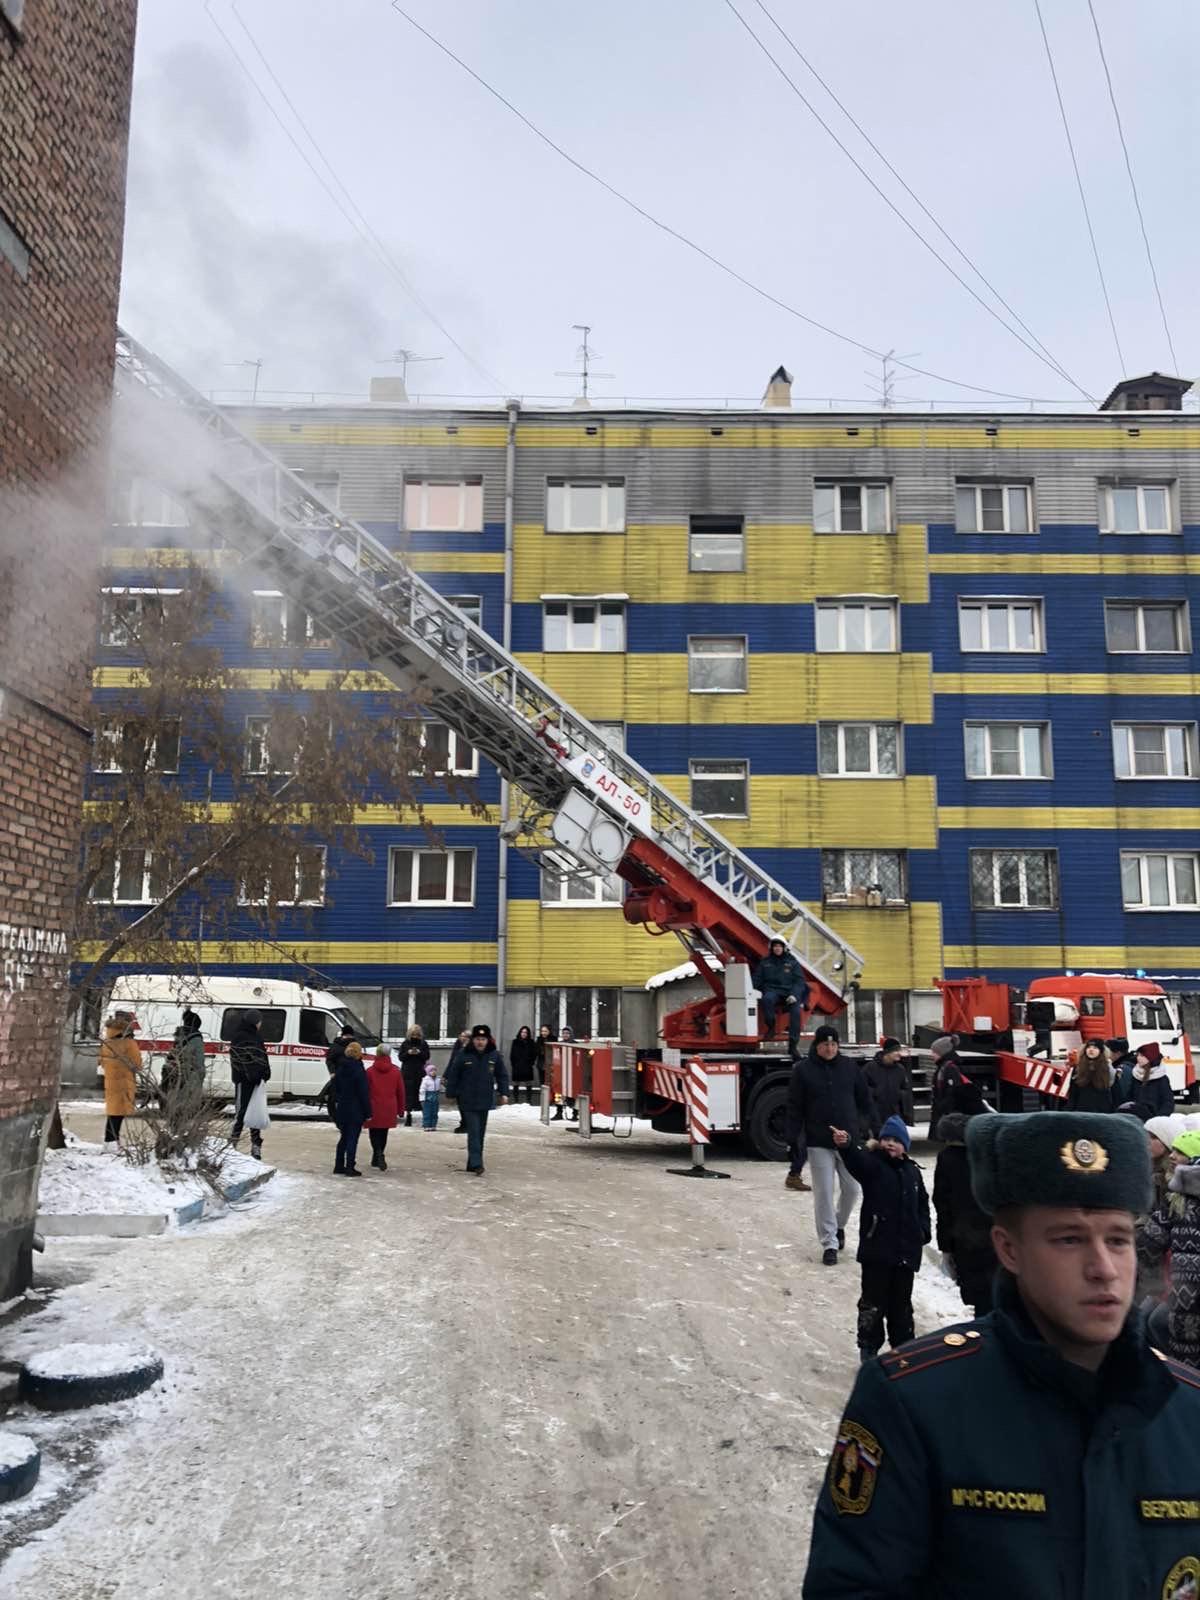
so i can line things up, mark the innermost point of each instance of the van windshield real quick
(347, 1019)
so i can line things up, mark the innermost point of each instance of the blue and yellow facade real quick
(761, 468)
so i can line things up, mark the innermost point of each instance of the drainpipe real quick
(510, 471)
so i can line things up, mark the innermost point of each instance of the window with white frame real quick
(304, 884)
(1135, 508)
(851, 507)
(589, 1013)
(717, 663)
(583, 625)
(141, 504)
(716, 544)
(1000, 626)
(276, 621)
(441, 1014)
(471, 606)
(445, 753)
(856, 625)
(443, 505)
(132, 878)
(858, 749)
(720, 788)
(992, 507)
(272, 746)
(1014, 879)
(585, 505)
(123, 612)
(1160, 880)
(1154, 749)
(1146, 627)
(430, 877)
(571, 888)
(132, 747)
(1007, 749)
(864, 877)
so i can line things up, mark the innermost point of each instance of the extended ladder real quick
(358, 590)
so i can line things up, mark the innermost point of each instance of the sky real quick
(315, 186)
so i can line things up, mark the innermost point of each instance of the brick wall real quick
(64, 120)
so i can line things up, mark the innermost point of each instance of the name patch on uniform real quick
(1169, 1510)
(854, 1469)
(1004, 1502)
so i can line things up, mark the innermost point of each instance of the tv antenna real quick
(401, 359)
(258, 366)
(885, 393)
(585, 355)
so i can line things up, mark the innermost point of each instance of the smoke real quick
(207, 281)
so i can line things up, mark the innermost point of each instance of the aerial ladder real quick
(584, 807)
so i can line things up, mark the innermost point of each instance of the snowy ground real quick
(575, 1376)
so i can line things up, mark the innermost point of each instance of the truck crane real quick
(583, 806)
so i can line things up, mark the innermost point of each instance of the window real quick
(1000, 625)
(717, 664)
(431, 877)
(1008, 749)
(1149, 627)
(569, 888)
(583, 625)
(720, 788)
(1135, 508)
(446, 754)
(443, 505)
(140, 504)
(131, 879)
(471, 606)
(1014, 878)
(271, 1029)
(318, 1028)
(127, 747)
(716, 544)
(1154, 749)
(877, 1014)
(864, 877)
(275, 621)
(326, 484)
(992, 508)
(858, 749)
(123, 611)
(1160, 881)
(441, 1014)
(585, 505)
(589, 1013)
(1152, 1013)
(850, 508)
(856, 625)
(305, 885)
(272, 748)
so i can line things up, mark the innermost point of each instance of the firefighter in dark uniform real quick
(1045, 1452)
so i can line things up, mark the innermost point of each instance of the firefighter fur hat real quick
(1059, 1158)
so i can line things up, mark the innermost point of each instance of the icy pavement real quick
(575, 1376)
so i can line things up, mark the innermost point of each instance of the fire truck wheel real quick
(767, 1131)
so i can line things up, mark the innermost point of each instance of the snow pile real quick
(16, 1450)
(90, 1180)
(89, 1361)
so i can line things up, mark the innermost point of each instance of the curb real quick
(140, 1225)
(238, 1191)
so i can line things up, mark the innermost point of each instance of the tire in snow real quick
(74, 1375)
(20, 1463)
(767, 1131)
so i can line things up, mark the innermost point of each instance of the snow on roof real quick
(678, 974)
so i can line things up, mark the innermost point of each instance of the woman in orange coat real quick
(120, 1061)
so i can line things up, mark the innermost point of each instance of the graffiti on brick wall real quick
(23, 950)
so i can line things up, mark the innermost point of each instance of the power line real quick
(345, 205)
(1046, 360)
(1162, 310)
(950, 240)
(674, 233)
(1087, 215)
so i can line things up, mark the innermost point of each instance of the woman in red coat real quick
(387, 1102)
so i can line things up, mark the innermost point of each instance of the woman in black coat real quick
(1152, 1095)
(522, 1062)
(414, 1053)
(1092, 1080)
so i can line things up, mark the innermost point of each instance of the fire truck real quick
(574, 802)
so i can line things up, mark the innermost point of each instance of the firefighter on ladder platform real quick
(779, 979)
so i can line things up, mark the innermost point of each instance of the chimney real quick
(389, 390)
(1154, 391)
(779, 391)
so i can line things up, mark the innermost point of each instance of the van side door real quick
(307, 1071)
